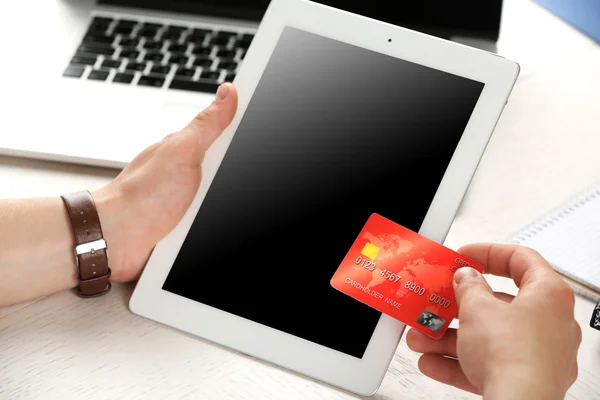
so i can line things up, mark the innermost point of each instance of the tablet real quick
(339, 117)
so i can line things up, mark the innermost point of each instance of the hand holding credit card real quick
(402, 274)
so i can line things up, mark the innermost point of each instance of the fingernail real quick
(464, 274)
(223, 91)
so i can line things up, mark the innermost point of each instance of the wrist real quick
(518, 384)
(109, 204)
(127, 248)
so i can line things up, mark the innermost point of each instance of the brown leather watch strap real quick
(90, 247)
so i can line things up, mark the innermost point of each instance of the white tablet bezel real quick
(362, 376)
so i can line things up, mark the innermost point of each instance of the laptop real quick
(96, 82)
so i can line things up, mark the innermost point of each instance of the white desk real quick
(543, 151)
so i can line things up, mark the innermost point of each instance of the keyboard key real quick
(185, 72)
(151, 25)
(225, 34)
(243, 43)
(248, 36)
(212, 75)
(107, 51)
(153, 45)
(74, 71)
(229, 77)
(147, 32)
(173, 33)
(196, 41)
(177, 48)
(101, 21)
(123, 78)
(127, 23)
(84, 55)
(125, 27)
(99, 25)
(151, 81)
(129, 53)
(202, 61)
(160, 69)
(153, 56)
(207, 87)
(98, 39)
(96, 75)
(201, 51)
(178, 59)
(98, 30)
(228, 64)
(174, 28)
(123, 30)
(134, 66)
(172, 36)
(219, 41)
(199, 32)
(111, 64)
(83, 60)
(126, 42)
(224, 53)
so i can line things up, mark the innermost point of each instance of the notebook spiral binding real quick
(556, 214)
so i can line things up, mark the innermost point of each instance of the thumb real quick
(470, 287)
(210, 123)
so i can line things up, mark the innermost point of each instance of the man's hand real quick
(150, 196)
(507, 347)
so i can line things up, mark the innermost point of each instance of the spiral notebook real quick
(569, 238)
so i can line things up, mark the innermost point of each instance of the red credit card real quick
(402, 274)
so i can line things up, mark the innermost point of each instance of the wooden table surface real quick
(544, 150)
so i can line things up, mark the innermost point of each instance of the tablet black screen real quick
(332, 134)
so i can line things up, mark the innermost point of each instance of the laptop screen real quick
(474, 18)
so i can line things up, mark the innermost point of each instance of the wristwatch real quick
(91, 254)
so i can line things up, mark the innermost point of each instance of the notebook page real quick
(569, 238)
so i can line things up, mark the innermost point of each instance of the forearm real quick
(36, 249)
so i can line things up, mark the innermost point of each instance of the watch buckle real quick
(90, 247)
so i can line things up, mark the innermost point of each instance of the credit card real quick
(402, 274)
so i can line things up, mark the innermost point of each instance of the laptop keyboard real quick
(129, 52)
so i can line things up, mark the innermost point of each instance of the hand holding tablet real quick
(339, 117)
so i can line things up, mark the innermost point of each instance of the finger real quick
(445, 370)
(211, 122)
(446, 346)
(522, 264)
(471, 290)
(505, 297)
